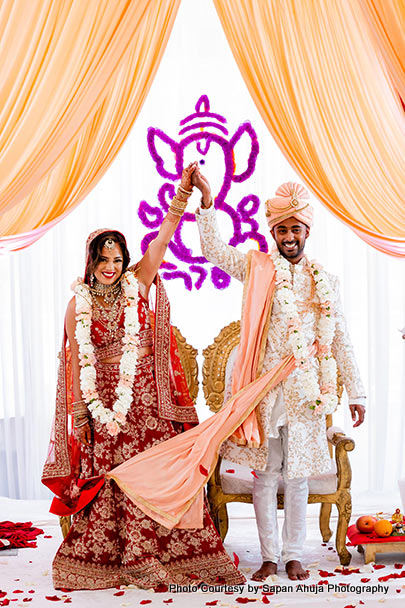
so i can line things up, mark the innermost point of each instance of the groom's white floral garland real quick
(115, 418)
(320, 394)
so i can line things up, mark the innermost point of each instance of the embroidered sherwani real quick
(286, 405)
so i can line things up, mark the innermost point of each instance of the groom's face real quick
(290, 236)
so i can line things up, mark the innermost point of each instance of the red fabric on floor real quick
(360, 539)
(20, 534)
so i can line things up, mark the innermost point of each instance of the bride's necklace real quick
(109, 293)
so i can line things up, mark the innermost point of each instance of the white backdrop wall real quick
(36, 281)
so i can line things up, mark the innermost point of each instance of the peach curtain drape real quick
(73, 77)
(323, 92)
(387, 21)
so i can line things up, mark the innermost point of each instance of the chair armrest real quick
(343, 444)
(337, 437)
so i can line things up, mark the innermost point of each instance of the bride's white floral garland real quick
(320, 394)
(115, 418)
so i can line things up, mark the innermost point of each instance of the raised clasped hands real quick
(200, 181)
(186, 176)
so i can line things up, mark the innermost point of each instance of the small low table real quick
(370, 544)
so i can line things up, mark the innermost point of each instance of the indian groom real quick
(287, 430)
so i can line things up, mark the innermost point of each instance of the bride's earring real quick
(91, 280)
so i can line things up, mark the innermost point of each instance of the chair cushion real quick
(241, 480)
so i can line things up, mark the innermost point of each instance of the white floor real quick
(29, 571)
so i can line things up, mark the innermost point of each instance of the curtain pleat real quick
(387, 22)
(80, 75)
(314, 73)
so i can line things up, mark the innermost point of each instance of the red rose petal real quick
(236, 559)
(378, 566)
(361, 602)
(265, 600)
(68, 600)
(398, 566)
(18, 591)
(214, 603)
(254, 474)
(398, 590)
(346, 571)
(31, 591)
(244, 600)
(4, 602)
(145, 602)
(203, 470)
(53, 598)
(167, 601)
(27, 599)
(119, 593)
(350, 606)
(394, 575)
(230, 471)
(48, 536)
(324, 573)
(3, 593)
(365, 580)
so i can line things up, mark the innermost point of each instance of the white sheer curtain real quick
(35, 282)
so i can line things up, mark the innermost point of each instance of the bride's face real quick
(109, 268)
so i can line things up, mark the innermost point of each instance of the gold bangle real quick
(178, 203)
(185, 191)
(82, 407)
(174, 210)
(85, 421)
(181, 198)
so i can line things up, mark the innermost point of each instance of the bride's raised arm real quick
(151, 261)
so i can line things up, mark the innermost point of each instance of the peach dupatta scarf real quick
(166, 482)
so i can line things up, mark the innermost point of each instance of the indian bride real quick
(122, 390)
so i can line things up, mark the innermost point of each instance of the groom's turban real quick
(290, 201)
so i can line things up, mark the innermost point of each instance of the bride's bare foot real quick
(295, 570)
(266, 569)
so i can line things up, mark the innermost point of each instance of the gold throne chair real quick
(188, 358)
(330, 489)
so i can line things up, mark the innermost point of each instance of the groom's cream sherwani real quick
(307, 445)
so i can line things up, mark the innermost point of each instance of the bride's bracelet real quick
(80, 421)
(79, 407)
(179, 202)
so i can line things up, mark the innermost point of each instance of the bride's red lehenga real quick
(111, 542)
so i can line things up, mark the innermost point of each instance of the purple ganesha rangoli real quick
(203, 130)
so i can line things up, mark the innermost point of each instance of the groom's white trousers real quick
(265, 504)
